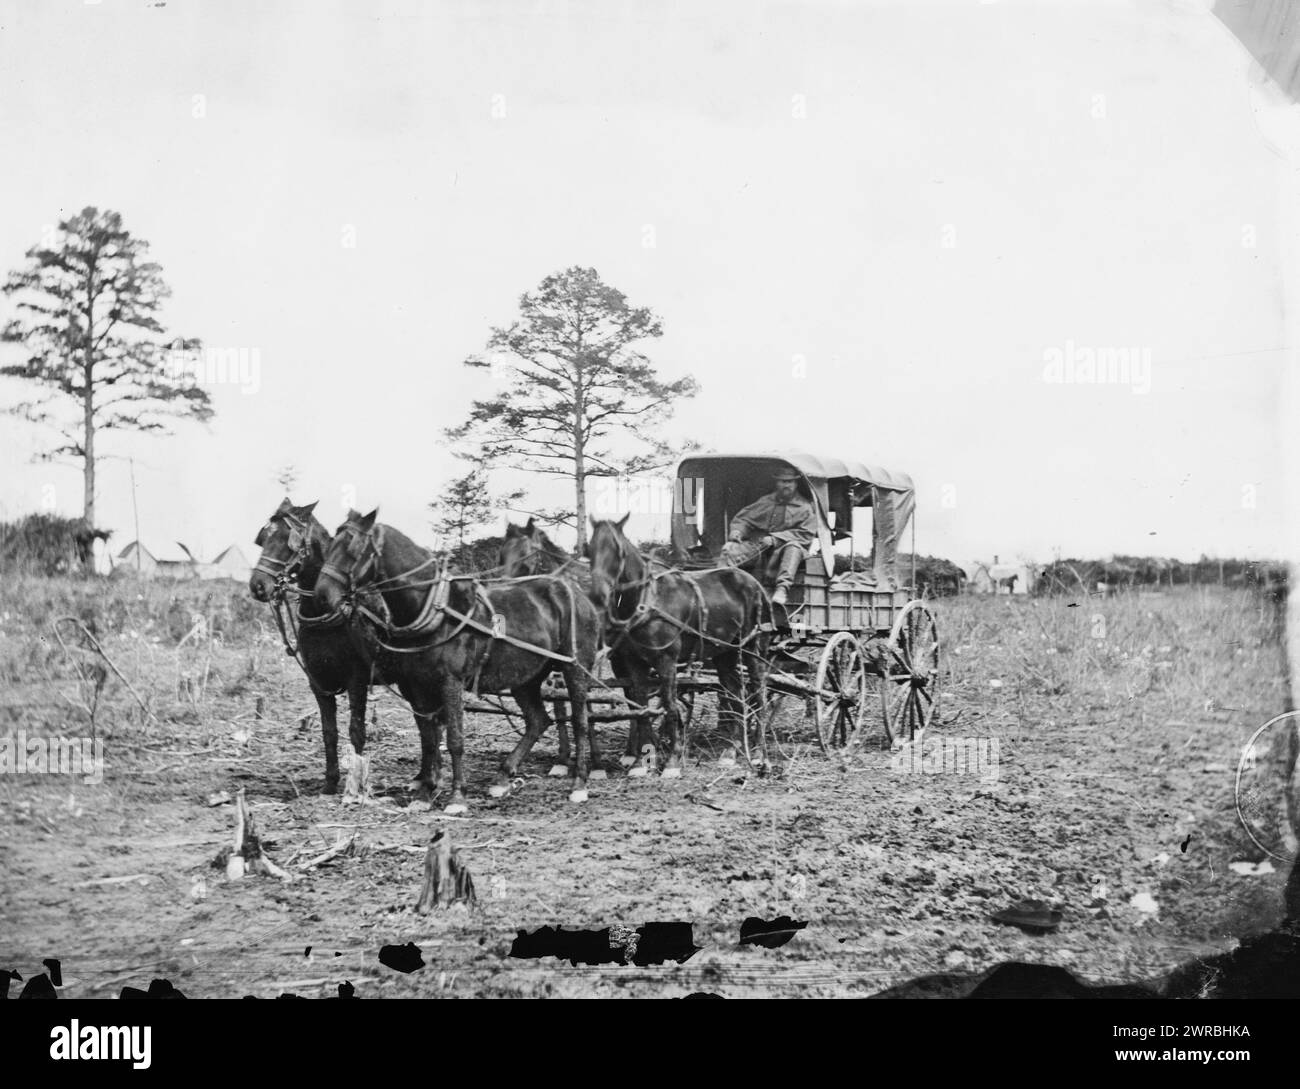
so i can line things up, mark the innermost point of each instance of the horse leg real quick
(640, 737)
(580, 767)
(329, 728)
(676, 742)
(529, 698)
(636, 690)
(356, 734)
(428, 782)
(755, 660)
(626, 671)
(453, 710)
(730, 699)
(561, 765)
(576, 681)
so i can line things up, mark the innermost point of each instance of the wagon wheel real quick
(910, 691)
(840, 692)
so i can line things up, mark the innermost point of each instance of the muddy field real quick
(1118, 725)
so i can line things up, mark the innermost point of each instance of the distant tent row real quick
(136, 560)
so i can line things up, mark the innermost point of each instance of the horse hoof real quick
(627, 761)
(637, 773)
(456, 808)
(672, 773)
(350, 799)
(726, 761)
(498, 791)
(419, 806)
(558, 770)
(597, 775)
(578, 796)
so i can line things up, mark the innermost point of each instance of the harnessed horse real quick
(654, 621)
(447, 632)
(527, 550)
(332, 656)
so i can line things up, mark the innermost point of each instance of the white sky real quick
(1097, 165)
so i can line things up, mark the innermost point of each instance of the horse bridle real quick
(355, 579)
(372, 539)
(530, 564)
(646, 606)
(531, 559)
(281, 572)
(621, 585)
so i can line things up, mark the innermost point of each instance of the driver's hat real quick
(784, 472)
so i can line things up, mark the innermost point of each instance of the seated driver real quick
(778, 527)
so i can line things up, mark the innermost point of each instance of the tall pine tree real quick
(87, 318)
(575, 389)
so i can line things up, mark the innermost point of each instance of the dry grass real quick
(1187, 652)
(1120, 720)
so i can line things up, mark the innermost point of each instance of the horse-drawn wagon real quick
(842, 642)
(850, 641)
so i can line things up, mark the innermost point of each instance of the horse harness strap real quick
(277, 608)
(496, 633)
(293, 646)
(436, 604)
(647, 609)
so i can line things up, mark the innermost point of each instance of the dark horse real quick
(656, 621)
(527, 550)
(293, 547)
(446, 632)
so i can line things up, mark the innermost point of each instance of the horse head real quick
(520, 551)
(527, 550)
(352, 561)
(287, 540)
(614, 562)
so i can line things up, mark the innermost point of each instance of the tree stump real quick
(447, 880)
(246, 854)
(356, 790)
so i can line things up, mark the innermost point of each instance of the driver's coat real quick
(793, 522)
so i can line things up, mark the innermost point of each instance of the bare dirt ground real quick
(1119, 725)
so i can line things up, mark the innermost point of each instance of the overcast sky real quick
(871, 231)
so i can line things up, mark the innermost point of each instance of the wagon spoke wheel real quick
(840, 692)
(909, 693)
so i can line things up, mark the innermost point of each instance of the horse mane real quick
(317, 533)
(393, 536)
(548, 546)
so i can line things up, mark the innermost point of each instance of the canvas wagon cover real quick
(732, 481)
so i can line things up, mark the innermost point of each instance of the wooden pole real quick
(135, 510)
(914, 544)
